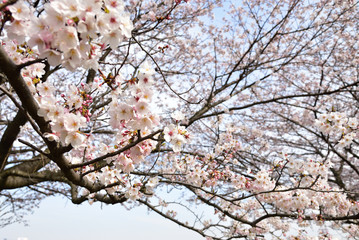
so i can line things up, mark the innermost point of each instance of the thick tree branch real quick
(9, 137)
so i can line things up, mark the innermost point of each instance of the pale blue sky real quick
(58, 219)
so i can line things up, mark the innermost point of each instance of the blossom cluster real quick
(307, 170)
(339, 125)
(176, 135)
(66, 117)
(129, 114)
(207, 170)
(72, 32)
(68, 113)
(132, 110)
(293, 186)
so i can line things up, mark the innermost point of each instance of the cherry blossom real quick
(251, 113)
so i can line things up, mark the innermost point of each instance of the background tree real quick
(250, 112)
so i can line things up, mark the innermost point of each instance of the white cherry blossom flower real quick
(125, 111)
(113, 38)
(142, 107)
(20, 10)
(152, 183)
(54, 16)
(53, 57)
(177, 115)
(75, 139)
(45, 89)
(73, 122)
(133, 193)
(170, 132)
(146, 69)
(177, 143)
